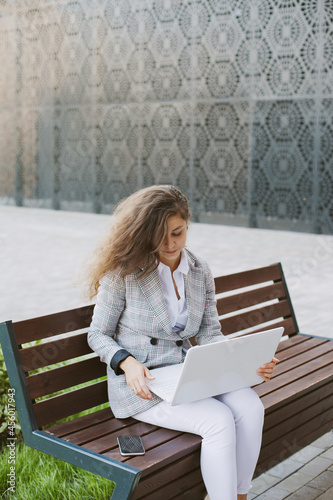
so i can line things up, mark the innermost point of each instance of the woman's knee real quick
(219, 422)
(256, 407)
(244, 403)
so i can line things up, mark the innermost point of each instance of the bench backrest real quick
(246, 301)
(255, 300)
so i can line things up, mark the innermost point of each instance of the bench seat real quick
(290, 403)
(298, 400)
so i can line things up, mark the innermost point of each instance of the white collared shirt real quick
(177, 309)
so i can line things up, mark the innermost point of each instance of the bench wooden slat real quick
(292, 358)
(314, 403)
(83, 422)
(256, 317)
(293, 442)
(285, 352)
(311, 344)
(247, 278)
(53, 324)
(104, 436)
(318, 372)
(56, 351)
(157, 438)
(239, 301)
(182, 485)
(296, 435)
(298, 367)
(291, 341)
(104, 428)
(70, 403)
(63, 377)
(304, 414)
(287, 370)
(156, 481)
(170, 451)
(101, 444)
(197, 492)
(274, 416)
(288, 325)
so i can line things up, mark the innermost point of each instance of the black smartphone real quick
(131, 445)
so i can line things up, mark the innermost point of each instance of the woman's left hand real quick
(266, 370)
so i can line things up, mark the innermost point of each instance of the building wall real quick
(230, 100)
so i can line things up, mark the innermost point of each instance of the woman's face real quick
(174, 241)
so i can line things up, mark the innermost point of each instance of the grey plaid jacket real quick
(130, 312)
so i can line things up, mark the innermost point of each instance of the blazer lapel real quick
(195, 297)
(152, 290)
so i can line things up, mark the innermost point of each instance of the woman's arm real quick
(266, 370)
(109, 306)
(135, 373)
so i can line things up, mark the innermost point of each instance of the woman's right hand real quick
(135, 373)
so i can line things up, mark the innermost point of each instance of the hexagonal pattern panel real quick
(230, 100)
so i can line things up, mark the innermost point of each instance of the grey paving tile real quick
(307, 454)
(263, 483)
(328, 453)
(316, 466)
(322, 482)
(328, 495)
(305, 493)
(325, 441)
(285, 468)
(295, 482)
(274, 493)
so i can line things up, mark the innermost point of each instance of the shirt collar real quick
(183, 264)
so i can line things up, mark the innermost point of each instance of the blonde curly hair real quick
(137, 233)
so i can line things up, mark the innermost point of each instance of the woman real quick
(153, 295)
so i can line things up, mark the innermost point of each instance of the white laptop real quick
(212, 369)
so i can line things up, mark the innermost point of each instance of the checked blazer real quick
(131, 311)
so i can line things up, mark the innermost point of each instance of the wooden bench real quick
(298, 400)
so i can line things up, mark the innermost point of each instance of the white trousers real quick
(231, 430)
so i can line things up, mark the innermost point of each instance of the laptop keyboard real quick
(164, 387)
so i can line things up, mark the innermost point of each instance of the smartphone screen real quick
(131, 445)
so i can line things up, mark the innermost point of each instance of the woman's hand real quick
(266, 370)
(135, 373)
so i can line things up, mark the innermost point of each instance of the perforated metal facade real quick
(230, 100)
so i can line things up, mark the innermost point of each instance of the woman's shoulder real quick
(113, 278)
(196, 260)
(118, 280)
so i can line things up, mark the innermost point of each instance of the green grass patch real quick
(41, 477)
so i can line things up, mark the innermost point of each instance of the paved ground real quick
(41, 254)
(306, 475)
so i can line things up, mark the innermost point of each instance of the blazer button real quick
(179, 342)
(153, 341)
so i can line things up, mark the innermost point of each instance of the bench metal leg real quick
(125, 476)
(124, 491)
